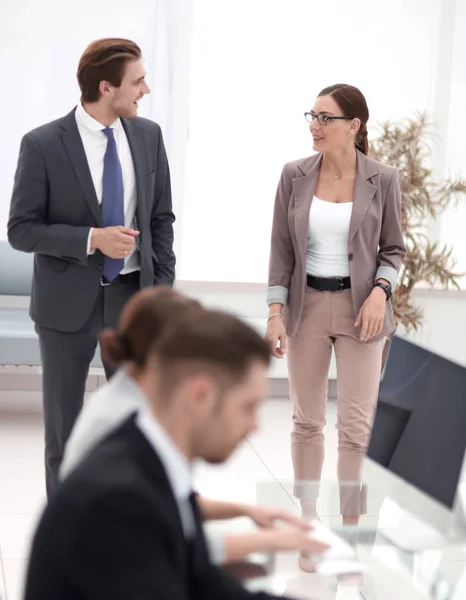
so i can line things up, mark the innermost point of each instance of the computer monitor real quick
(419, 433)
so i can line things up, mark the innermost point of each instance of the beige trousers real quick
(328, 320)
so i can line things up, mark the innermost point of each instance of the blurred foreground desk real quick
(389, 572)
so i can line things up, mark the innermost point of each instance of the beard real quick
(219, 454)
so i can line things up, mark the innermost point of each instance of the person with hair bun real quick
(146, 317)
(126, 522)
(142, 321)
(336, 251)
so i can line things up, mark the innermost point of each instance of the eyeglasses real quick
(323, 119)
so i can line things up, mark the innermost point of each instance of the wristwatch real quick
(386, 288)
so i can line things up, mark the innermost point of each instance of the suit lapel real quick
(364, 192)
(136, 144)
(149, 462)
(75, 150)
(303, 192)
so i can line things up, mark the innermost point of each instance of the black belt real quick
(126, 278)
(335, 284)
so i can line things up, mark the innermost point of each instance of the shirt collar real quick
(177, 467)
(122, 384)
(85, 119)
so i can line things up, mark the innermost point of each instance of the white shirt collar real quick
(122, 382)
(85, 119)
(176, 465)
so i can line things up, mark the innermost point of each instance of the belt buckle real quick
(104, 283)
(341, 285)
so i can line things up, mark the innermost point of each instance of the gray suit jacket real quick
(54, 205)
(375, 249)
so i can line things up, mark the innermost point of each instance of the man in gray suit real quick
(92, 200)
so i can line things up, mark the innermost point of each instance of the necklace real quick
(335, 177)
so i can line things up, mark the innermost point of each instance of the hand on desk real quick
(266, 517)
(289, 539)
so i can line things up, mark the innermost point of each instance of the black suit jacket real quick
(54, 205)
(113, 531)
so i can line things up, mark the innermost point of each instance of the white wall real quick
(444, 330)
(257, 66)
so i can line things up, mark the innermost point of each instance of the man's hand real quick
(266, 517)
(290, 539)
(114, 242)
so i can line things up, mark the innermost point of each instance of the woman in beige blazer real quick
(336, 251)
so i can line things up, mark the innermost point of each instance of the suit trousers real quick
(328, 321)
(65, 366)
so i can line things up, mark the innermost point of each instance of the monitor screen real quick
(419, 430)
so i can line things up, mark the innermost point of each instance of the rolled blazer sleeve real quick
(282, 256)
(392, 248)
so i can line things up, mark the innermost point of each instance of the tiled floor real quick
(255, 474)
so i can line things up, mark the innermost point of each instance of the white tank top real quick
(327, 242)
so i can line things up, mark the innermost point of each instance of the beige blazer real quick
(375, 247)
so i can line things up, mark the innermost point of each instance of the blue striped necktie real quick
(113, 208)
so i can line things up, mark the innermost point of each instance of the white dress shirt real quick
(103, 412)
(176, 467)
(95, 145)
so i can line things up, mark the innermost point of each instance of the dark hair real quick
(353, 104)
(104, 60)
(213, 342)
(143, 320)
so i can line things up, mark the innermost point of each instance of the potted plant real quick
(405, 145)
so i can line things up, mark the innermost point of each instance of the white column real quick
(441, 93)
(170, 92)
